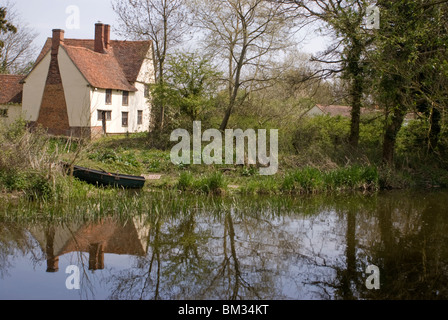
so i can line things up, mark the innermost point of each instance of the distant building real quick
(90, 87)
(345, 111)
(334, 110)
(10, 98)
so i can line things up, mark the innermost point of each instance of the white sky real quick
(45, 15)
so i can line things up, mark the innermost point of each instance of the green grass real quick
(260, 185)
(131, 154)
(206, 183)
(312, 180)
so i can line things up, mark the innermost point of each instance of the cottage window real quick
(3, 113)
(107, 115)
(109, 96)
(146, 91)
(125, 101)
(139, 117)
(124, 119)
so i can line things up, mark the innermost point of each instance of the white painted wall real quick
(146, 76)
(33, 89)
(137, 101)
(14, 114)
(77, 91)
(147, 71)
(141, 103)
(98, 102)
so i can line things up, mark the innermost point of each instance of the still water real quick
(235, 248)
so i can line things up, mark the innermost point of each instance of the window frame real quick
(108, 115)
(139, 117)
(123, 123)
(125, 98)
(147, 91)
(108, 98)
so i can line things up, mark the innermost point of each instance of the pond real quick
(273, 248)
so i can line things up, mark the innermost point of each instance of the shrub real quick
(319, 135)
(412, 138)
(31, 183)
(185, 181)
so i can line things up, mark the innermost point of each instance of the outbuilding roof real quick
(11, 88)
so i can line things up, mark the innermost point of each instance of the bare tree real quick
(161, 21)
(346, 55)
(244, 35)
(17, 52)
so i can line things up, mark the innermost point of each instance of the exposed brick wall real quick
(53, 110)
(86, 132)
(96, 132)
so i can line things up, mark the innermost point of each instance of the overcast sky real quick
(45, 15)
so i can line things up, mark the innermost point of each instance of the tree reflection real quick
(274, 249)
(412, 252)
(348, 277)
(14, 240)
(404, 236)
(199, 257)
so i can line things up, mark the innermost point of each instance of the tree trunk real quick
(355, 72)
(390, 136)
(434, 130)
(356, 94)
(160, 80)
(161, 117)
(226, 118)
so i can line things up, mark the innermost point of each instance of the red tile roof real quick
(117, 69)
(10, 88)
(335, 110)
(100, 70)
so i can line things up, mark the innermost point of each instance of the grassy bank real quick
(30, 167)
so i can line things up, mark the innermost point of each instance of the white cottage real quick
(90, 87)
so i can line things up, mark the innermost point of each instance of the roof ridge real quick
(129, 55)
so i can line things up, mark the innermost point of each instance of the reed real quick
(205, 183)
(312, 180)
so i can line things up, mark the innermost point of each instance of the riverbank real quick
(41, 176)
(296, 174)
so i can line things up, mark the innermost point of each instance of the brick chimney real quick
(58, 37)
(102, 37)
(99, 37)
(106, 36)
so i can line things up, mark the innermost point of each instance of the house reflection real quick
(106, 236)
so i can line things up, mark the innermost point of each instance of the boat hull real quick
(104, 178)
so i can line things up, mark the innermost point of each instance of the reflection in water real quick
(95, 238)
(307, 248)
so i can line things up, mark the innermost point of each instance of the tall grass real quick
(312, 180)
(261, 185)
(26, 164)
(30, 164)
(211, 183)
